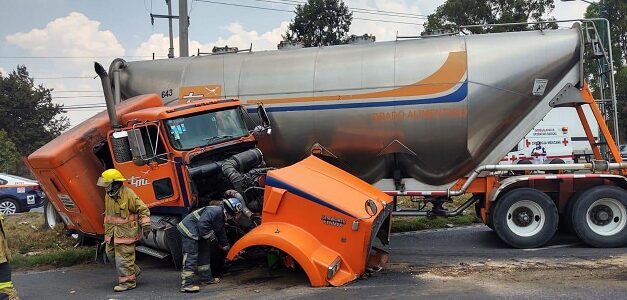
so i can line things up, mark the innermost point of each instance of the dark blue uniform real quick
(198, 230)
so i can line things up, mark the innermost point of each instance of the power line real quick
(77, 57)
(356, 9)
(77, 96)
(285, 10)
(70, 91)
(67, 77)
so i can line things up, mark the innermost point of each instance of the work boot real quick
(124, 287)
(210, 281)
(190, 289)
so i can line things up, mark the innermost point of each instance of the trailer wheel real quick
(599, 217)
(522, 162)
(525, 218)
(557, 161)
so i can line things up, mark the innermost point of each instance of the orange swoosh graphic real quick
(446, 77)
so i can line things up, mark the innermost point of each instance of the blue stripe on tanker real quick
(457, 96)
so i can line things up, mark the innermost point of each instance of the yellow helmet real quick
(109, 176)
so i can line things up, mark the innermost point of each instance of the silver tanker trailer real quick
(428, 118)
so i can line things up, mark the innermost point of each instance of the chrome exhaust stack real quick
(108, 94)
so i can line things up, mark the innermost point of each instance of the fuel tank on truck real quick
(431, 109)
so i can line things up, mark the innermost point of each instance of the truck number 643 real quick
(166, 93)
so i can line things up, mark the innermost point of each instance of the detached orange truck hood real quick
(315, 213)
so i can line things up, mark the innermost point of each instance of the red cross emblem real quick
(565, 142)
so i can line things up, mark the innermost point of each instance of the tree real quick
(27, 113)
(616, 12)
(454, 13)
(9, 156)
(320, 23)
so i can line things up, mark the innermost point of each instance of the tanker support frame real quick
(525, 210)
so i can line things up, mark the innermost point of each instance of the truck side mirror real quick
(138, 150)
(371, 207)
(263, 116)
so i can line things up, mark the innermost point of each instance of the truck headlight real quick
(333, 268)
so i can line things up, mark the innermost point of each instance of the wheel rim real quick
(606, 217)
(8, 207)
(525, 218)
(51, 217)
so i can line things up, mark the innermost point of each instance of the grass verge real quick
(403, 224)
(53, 259)
(34, 247)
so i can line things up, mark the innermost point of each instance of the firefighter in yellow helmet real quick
(126, 219)
(7, 291)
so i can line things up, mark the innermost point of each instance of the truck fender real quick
(313, 257)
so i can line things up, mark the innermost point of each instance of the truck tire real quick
(525, 218)
(557, 161)
(522, 162)
(599, 217)
(51, 216)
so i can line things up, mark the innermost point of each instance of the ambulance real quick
(554, 138)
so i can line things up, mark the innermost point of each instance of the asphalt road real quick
(468, 262)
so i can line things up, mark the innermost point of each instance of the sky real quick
(58, 40)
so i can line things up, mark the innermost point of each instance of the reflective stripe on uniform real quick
(186, 231)
(119, 220)
(196, 214)
(125, 240)
(123, 279)
(145, 221)
(6, 285)
(202, 268)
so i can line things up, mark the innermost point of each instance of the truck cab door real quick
(148, 168)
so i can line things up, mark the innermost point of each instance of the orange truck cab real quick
(326, 219)
(179, 158)
(171, 156)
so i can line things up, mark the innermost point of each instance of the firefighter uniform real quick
(198, 230)
(7, 291)
(126, 217)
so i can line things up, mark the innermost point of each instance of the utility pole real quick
(183, 27)
(169, 16)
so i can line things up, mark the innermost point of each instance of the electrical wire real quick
(67, 77)
(70, 91)
(290, 11)
(78, 57)
(78, 96)
(355, 9)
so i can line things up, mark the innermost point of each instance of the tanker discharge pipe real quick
(595, 166)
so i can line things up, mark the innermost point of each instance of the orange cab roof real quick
(86, 134)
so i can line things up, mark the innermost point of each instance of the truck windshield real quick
(205, 129)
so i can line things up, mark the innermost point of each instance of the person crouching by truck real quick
(7, 291)
(199, 230)
(126, 220)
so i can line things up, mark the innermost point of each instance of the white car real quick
(18, 194)
(623, 151)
